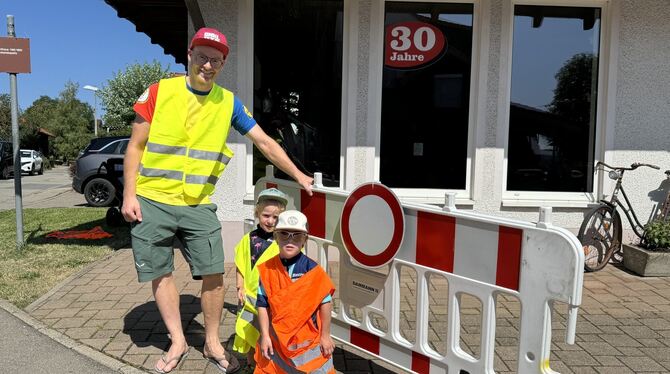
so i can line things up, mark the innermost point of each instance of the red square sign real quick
(14, 55)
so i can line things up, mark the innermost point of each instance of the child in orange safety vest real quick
(294, 305)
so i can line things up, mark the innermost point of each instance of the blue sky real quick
(82, 41)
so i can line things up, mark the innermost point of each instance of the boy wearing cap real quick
(176, 154)
(294, 305)
(255, 248)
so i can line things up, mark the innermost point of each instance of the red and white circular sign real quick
(373, 224)
(412, 44)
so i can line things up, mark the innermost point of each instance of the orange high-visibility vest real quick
(295, 338)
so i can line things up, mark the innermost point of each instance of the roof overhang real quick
(165, 22)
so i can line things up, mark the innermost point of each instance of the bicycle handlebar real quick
(633, 166)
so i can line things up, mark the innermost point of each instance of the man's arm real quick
(131, 164)
(278, 157)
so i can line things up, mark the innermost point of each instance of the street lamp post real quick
(95, 105)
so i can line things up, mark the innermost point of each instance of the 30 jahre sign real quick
(412, 44)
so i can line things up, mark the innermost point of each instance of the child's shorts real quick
(196, 226)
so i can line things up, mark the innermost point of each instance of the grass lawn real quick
(43, 262)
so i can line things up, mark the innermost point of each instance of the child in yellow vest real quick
(294, 304)
(256, 247)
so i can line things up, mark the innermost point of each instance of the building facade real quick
(507, 103)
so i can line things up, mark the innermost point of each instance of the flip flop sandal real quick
(233, 363)
(179, 359)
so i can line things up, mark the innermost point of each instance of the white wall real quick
(635, 114)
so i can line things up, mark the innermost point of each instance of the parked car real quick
(98, 171)
(31, 162)
(6, 159)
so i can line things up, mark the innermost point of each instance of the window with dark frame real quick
(553, 100)
(298, 83)
(426, 95)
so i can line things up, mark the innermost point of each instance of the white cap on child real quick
(292, 220)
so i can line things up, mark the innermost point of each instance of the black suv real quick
(6, 159)
(98, 171)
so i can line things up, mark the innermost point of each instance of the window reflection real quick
(298, 83)
(553, 98)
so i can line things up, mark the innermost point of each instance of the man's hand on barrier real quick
(306, 183)
(131, 209)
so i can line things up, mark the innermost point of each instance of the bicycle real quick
(600, 232)
(664, 211)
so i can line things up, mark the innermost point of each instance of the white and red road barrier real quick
(479, 255)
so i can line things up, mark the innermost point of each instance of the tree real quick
(575, 85)
(121, 92)
(40, 114)
(72, 123)
(5, 117)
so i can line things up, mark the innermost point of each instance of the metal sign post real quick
(16, 59)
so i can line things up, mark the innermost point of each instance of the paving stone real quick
(614, 370)
(608, 360)
(80, 332)
(576, 358)
(639, 364)
(623, 325)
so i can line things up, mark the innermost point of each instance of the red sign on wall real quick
(412, 44)
(14, 55)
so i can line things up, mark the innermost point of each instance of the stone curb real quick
(68, 342)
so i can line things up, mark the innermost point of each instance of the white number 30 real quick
(402, 42)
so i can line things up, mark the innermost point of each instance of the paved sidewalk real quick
(624, 321)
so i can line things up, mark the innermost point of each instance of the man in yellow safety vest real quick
(176, 154)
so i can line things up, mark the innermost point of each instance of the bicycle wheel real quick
(600, 235)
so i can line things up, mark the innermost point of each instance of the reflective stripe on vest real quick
(250, 318)
(161, 173)
(166, 149)
(302, 359)
(177, 161)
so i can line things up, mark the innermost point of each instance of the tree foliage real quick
(72, 123)
(5, 117)
(575, 88)
(121, 92)
(39, 115)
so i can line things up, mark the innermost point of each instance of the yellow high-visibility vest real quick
(177, 160)
(246, 326)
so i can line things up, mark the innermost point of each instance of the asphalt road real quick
(50, 190)
(26, 350)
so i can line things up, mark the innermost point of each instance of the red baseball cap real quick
(212, 38)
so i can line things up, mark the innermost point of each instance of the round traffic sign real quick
(373, 224)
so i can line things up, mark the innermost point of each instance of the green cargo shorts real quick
(196, 226)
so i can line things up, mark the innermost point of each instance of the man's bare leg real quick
(167, 300)
(211, 302)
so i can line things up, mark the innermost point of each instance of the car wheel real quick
(41, 171)
(5, 173)
(32, 170)
(99, 192)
